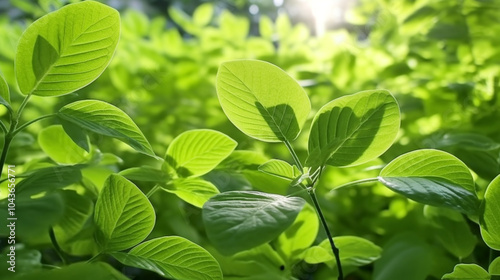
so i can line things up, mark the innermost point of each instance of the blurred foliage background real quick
(439, 58)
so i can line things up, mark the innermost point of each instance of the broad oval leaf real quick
(196, 152)
(77, 271)
(490, 224)
(280, 168)
(293, 242)
(67, 49)
(145, 174)
(262, 100)
(354, 129)
(123, 215)
(239, 220)
(354, 251)
(194, 191)
(467, 272)
(172, 257)
(432, 177)
(60, 147)
(494, 268)
(106, 119)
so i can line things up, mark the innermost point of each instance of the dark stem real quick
(58, 249)
(335, 250)
(3, 157)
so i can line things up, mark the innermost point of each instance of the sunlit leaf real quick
(467, 272)
(293, 242)
(194, 191)
(67, 49)
(60, 147)
(196, 152)
(240, 220)
(353, 129)
(106, 119)
(494, 268)
(432, 177)
(172, 257)
(123, 215)
(262, 100)
(490, 224)
(4, 93)
(203, 14)
(280, 168)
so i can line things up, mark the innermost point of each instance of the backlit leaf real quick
(494, 268)
(490, 223)
(353, 129)
(123, 215)
(106, 119)
(262, 100)
(172, 257)
(196, 152)
(194, 191)
(67, 49)
(432, 177)
(4, 93)
(239, 220)
(60, 147)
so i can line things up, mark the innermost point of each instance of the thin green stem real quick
(294, 155)
(6, 145)
(3, 127)
(31, 122)
(94, 257)
(23, 104)
(153, 190)
(58, 249)
(354, 183)
(335, 250)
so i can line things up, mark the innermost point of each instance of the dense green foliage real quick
(405, 98)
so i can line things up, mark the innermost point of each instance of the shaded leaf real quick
(49, 179)
(77, 271)
(145, 174)
(60, 147)
(467, 272)
(239, 220)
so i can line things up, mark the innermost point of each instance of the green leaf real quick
(67, 49)
(280, 168)
(354, 251)
(292, 243)
(78, 211)
(405, 256)
(123, 215)
(145, 174)
(494, 268)
(203, 14)
(77, 271)
(34, 216)
(467, 272)
(432, 177)
(172, 257)
(194, 191)
(60, 147)
(48, 179)
(106, 119)
(78, 135)
(490, 224)
(262, 100)
(4, 93)
(196, 152)
(353, 129)
(27, 260)
(239, 220)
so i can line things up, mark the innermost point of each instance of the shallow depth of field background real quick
(440, 59)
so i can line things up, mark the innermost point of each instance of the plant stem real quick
(94, 257)
(3, 157)
(3, 127)
(58, 249)
(31, 122)
(294, 155)
(335, 250)
(153, 190)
